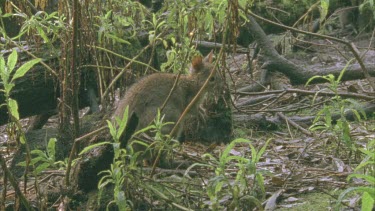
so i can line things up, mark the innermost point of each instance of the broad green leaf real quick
(24, 68)
(12, 60)
(108, 14)
(37, 159)
(33, 161)
(8, 87)
(13, 108)
(51, 148)
(112, 129)
(41, 168)
(367, 202)
(39, 153)
(2, 69)
(4, 74)
(122, 124)
(22, 139)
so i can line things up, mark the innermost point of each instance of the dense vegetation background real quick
(297, 101)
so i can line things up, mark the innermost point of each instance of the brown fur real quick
(146, 96)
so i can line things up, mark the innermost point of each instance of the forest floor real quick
(310, 170)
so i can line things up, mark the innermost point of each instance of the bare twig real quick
(13, 182)
(306, 92)
(294, 124)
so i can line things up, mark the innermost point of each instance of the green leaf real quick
(193, 165)
(112, 129)
(38, 159)
(121, 200)
(346, 133)
(368, 178)
(122, 123)
(239, 159)
(367, 202)
(6, 15)
(43, 34)
(41, 168)
(231, 146)
(117, 39)
(23, 163)
(108, 14)
(361, 189)
(51, 148)
(144, 130)
(24, 68)
(313, 78)
(343, 70)
(39, 153)
(2, 69)
(12, 60)
(364, 164)
(327, 116)
(8, 87)
(86, 149)
(104, 181)
(253, 154)
(13, 108)
(139, 143)
(22, 139)
(324, 4)
(260, 180)
(262, 150)
(218, 186)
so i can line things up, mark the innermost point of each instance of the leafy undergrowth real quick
(299, 172)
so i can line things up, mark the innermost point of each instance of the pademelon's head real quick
(201, 68)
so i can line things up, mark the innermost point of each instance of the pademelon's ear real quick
(209, 57)
(196, 64)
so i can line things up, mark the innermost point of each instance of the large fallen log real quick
(38, 92)
(297, 74)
